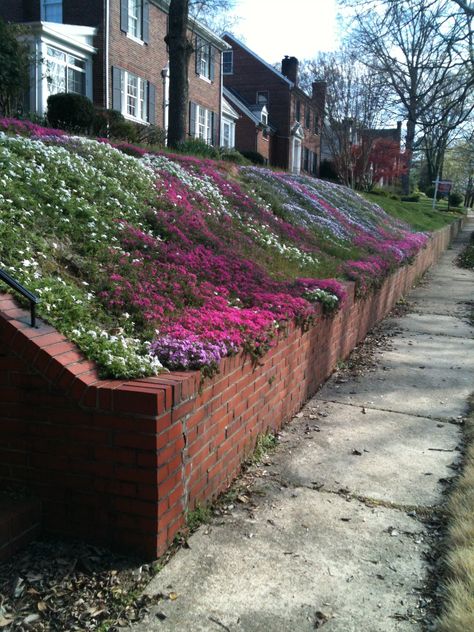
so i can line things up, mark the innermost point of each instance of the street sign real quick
(444, 186)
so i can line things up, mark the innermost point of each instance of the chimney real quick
(319, 95)
(399, 131)
(289, 68)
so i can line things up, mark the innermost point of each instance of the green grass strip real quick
(458, 584)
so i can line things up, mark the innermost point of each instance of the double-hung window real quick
(226, 134)
(204, 130)
(228, 62)
(204, 53)
(135, 11)
(135, 94)
(64, 72)
(52, 11)
(201, 123)
(135, 18)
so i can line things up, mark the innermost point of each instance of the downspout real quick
(165, 76)
(221, 97)
(106, 53)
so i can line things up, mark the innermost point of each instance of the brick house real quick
(252, 128)
(113, 51)
(295, 117)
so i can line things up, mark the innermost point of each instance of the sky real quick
(275, 28)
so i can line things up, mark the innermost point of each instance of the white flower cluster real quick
(263, 235)
(200, 184)
(116, 353)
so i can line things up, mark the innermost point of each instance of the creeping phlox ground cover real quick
(158, 260)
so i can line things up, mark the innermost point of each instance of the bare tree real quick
(416, 45)
(445, 122)
(356, 101)
(467, 7)
(182, 14)
(459, 165)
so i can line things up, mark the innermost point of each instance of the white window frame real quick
(228, 129)
(203, 124)
(134, 97)
(204, 58)
(66, 63)
(228, 64)
(135, 18)
(49, 8)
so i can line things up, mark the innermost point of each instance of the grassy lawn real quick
(420, 215)
(458, 586)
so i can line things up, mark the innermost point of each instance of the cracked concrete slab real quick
(429, 376)
(272, 572)
(330, 533)
(386, 456)
(432, 324)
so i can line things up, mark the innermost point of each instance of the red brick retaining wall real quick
(120, 462)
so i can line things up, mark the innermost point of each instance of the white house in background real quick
(64, 57)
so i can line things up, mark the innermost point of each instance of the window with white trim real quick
(135, 18)
(65, 72)
(135, 96)
(204, 128)
(204, 59)
(228, 62)
(228, 133)
(201, 123)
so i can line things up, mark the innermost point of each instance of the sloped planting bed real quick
(248, 284)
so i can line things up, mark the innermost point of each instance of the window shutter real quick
(212, 59)
(197, 55)
(116, 89)
(124, 15)
(214, 136)
(151, 103)
(146, 21)
(192, 119)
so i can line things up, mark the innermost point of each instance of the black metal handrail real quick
(34, 300)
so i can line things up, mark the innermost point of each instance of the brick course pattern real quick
(146, 60)
(20, 521)
(121, 462)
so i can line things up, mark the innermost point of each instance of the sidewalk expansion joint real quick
(408, 333)
(418, 511)
(444, 420)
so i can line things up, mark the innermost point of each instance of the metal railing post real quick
(34, 300)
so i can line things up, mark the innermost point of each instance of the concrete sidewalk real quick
(333, 530)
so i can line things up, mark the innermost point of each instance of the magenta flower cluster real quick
(196, 273)
(27, 128)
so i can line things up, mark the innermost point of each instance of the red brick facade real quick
(121, 462)
(145, 60)
(251, 75)
(250, 137)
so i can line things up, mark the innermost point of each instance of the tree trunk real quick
(180, 50)
(409, 146)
